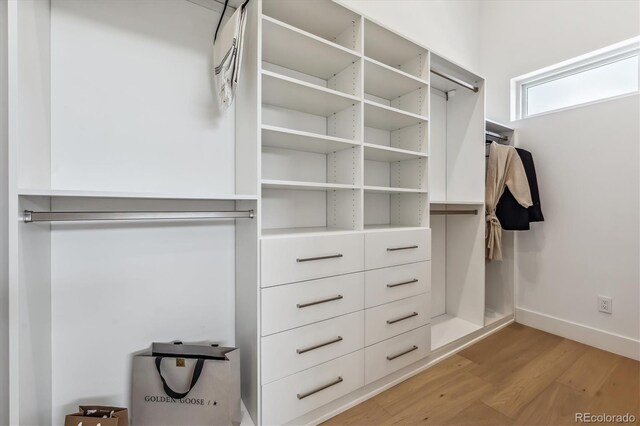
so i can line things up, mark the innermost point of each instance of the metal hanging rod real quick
(457, 81)
(496, 135)
(31, 216)
(448, 212)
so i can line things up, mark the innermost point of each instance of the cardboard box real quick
(94, 415)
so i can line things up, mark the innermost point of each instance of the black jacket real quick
(512, 216)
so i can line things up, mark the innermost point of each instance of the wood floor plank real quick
(368, 413)
(620, 392)
(480, 414)
(444, 369)
(524, 385)
(509, 337)
(590, 371)
(556, 405)
(505, 361)
(439, 401)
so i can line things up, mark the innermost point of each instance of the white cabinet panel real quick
(294, 305)
(393, 354)
(397, 247)
(301, 348)
(385, 321)
(288, 398)
(291, 259)
(397, 282)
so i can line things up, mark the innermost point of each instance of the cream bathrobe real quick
(504, 169)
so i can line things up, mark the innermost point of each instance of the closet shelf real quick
(389, 118)
(294, 94)
(307, 186)
(491, 316)
(325, 19)
(388, 47)
(280, 137)
(375, 152)
(290, 47)
(391, 228)
(309, 231)
(387, 82)
(457, 203)
(448, 328)
(132, 195)
(392, 190)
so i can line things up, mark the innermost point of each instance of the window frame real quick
(602, 57)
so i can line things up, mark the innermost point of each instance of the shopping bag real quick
(186, 385)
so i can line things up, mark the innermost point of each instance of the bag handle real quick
(194, 379)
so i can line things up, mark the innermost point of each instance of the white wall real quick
(521, 36)
(449, 27)
(4, 277)
(588, 170)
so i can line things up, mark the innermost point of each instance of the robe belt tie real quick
(493, 234)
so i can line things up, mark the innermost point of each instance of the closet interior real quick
(499, 275)
(457, 203)
(330, 224)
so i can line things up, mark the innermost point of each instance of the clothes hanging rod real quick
(31, 216)
(496, 135)
(457, 81)
(448, 212)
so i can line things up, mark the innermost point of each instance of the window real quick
(604, 74)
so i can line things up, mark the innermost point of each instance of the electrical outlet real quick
(605, 304)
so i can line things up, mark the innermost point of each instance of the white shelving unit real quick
(343, 133)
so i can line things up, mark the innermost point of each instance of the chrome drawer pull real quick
(415, 280)
(392, 357)
(311, 259)
(415, 314)
(321, 388)
(402, 248)
(317, 302)
(321, 345)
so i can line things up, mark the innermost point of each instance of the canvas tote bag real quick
(191, 385)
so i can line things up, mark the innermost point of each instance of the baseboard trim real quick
(601, 339)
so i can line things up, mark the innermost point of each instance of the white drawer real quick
(301, 348)
(397, 282)
(293, 305)
(287, 260)
(393, 354)
(385, 321)
(396, 247)
(293, 396)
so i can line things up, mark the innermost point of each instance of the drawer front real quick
(385, 321)
(397, 282)
(287, 260)
(294, 305)
(295, 350)
(293, 396)
(396, 248)
(393, 354)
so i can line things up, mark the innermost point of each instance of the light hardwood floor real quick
(517, 376)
